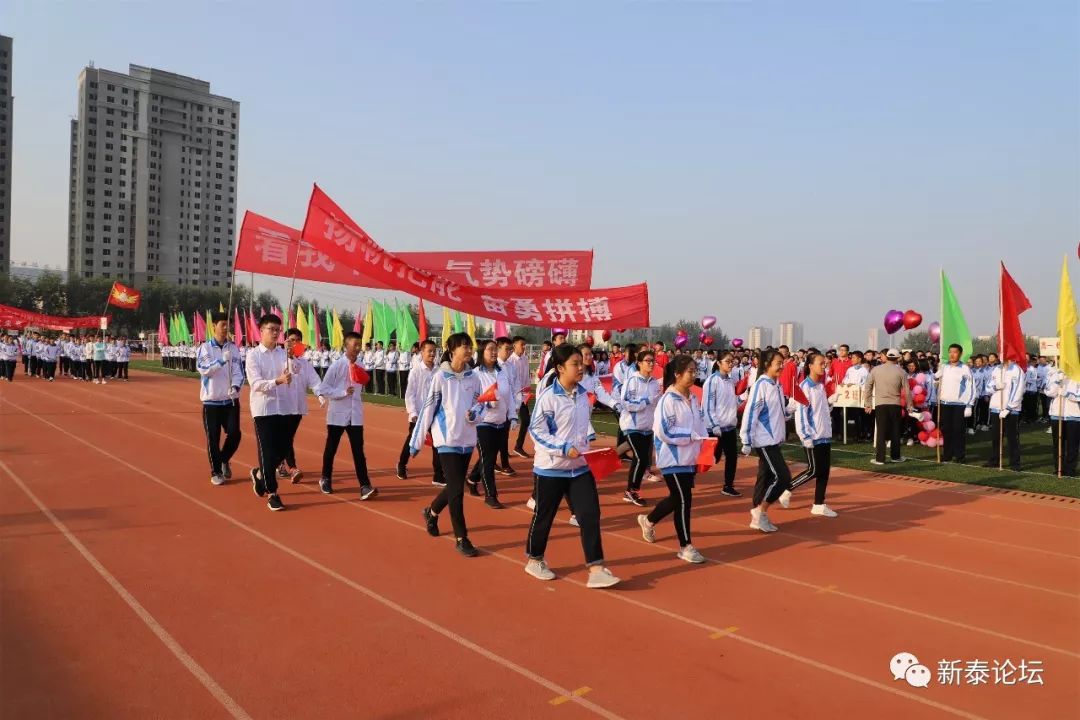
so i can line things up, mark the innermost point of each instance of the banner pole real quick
(941, 314)
(1061, 426)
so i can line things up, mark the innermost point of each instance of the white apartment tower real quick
(759, 337)
(153, 179)
(7, 119)
(791, 334)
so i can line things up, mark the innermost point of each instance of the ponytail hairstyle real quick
(559, 356)
(810, 356)
(480, 362)
(765, 359)
(642, 354)
(631, 352)
(453, 343)
(678, 365)
(723, 356)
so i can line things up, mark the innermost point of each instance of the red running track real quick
(132, 588)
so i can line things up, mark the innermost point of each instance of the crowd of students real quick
(93, 357)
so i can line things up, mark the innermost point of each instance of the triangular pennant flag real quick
(602, 462)
(422, 322)
(489, 395)
(358, 375)
(954, 328)
(1068, 353)
(707, 456)
(1013, 302)
(800, 396)
(608, 383)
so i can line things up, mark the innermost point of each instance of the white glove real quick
(234, 392)
(226, 355)
(833, 398)
(808, 444)
(915, 415)
(322, 401)
(1003, 414)
(513, 423)
(967, 412)
(746, 449)
(790, 409)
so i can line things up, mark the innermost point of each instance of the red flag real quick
(125, 297)
(1013, 302)
(608, 383)
(707, 457)
(163, 334)
(298, 350)
(421, 322)
(489, 395)
(800, 396)
(291, 319)
(526, 396)
(358, 375)
(740, 387)
(358, 322)
(238, 333)
(602, 462)
(592, 399)
(696, 391)
(253, 328)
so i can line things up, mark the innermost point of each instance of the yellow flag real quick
(220, 307)
(338, 339)
(301, 323)
(470, 327)
(1069, 357)
(369, 325)
(447, 331)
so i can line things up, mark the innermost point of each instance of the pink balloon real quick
(935, 331)
(702, 335)
(559, 331)
(926, 416)
(680, 341)
(707, 322)
(894, 320)
(928, 425)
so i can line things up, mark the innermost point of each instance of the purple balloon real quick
(681, 340)
(559, 331)
(935, 331)
(708, 321)
(702, 335)
(736, 343)
(894, 320)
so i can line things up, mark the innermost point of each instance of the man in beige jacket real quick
(884, 388)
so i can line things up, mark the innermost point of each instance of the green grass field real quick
(1039, 462)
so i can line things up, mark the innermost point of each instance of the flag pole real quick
(1001, 367)
(941, 348)
(1061, 424)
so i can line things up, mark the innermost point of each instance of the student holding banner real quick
(813, 425)
(679, 430)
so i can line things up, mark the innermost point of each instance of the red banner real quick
(329, 230)
(270, 248)
(16, 319)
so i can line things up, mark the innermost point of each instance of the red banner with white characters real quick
(329, 230)
(270, 248)
(16, 319)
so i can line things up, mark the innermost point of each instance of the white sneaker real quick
(602, 578)
(765, 525)
(899, 459)
(785, 499)
(755, 519)
(690, 555)
(539, 570)
(216, 479)
(1049, 431)
(910, 442)
(970, 431)
(876, 462)
(823, 510)
(531, 504)
(573, 521)
(649, 477)
(648, 532)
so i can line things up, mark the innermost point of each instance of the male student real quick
(271, 402)
(218, 363)
(345, 415)
(416, 392)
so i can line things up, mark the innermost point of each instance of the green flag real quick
(172, 328)
(407, 332)
(310, 339)
(954, 328)
(457, 322)
(388, 324)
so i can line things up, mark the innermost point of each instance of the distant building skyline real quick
(7, 145)
(759, 337)
(152, 191)
(791, 334)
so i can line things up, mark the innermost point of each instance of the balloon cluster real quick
(894, 320)
(930, 434)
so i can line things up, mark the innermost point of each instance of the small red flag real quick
(421, 322)
(1013, 302)
(526, 396)
(800, 396)
(592, 399)
(298, 350)
(489, 395)
(602, 462)
(707, 457)
(358, 375)
(696, 392)
(125, 297)
(608, 383)
(740, 387)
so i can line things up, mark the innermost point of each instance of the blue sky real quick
(759, 161)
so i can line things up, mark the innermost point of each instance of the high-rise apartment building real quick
(791, 334)
(7, 120)
(153, 179)
(759, 337)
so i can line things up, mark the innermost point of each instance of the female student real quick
(721, 417)
(679, 429)
(764, 426)
(493, 423)
(640, 392)
(813, 425)
(560, 429)
(452, 400)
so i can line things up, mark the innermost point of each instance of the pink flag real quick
(253, 328)
(199, 331)
(358, 322)
(238, 333)
(162, 333)
(501, 330)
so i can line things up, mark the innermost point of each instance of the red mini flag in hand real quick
(1010, 335)
(696, 392)
(602, 462)
(489, 395)
(608, 383)
(298, 350)
(800, 396)
(740, 387)
(125, 297)
(707, 457)
(526, 396)
(592, 399)
(358, 375)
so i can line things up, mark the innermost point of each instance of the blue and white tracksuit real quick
(721, 405)
(450, 412)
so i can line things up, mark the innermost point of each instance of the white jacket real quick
(560, 421)
(813, 423)
(449, 412)
(1060, 389)
(263, 367)
(1011, 379)
(218, 378)
(721, 409)
(592, 384)
(764, 422)
(678, 429)
(505, 408)
(957, 384)
(304, 378)
(418, 387)
(639, 396)
(343, 409)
